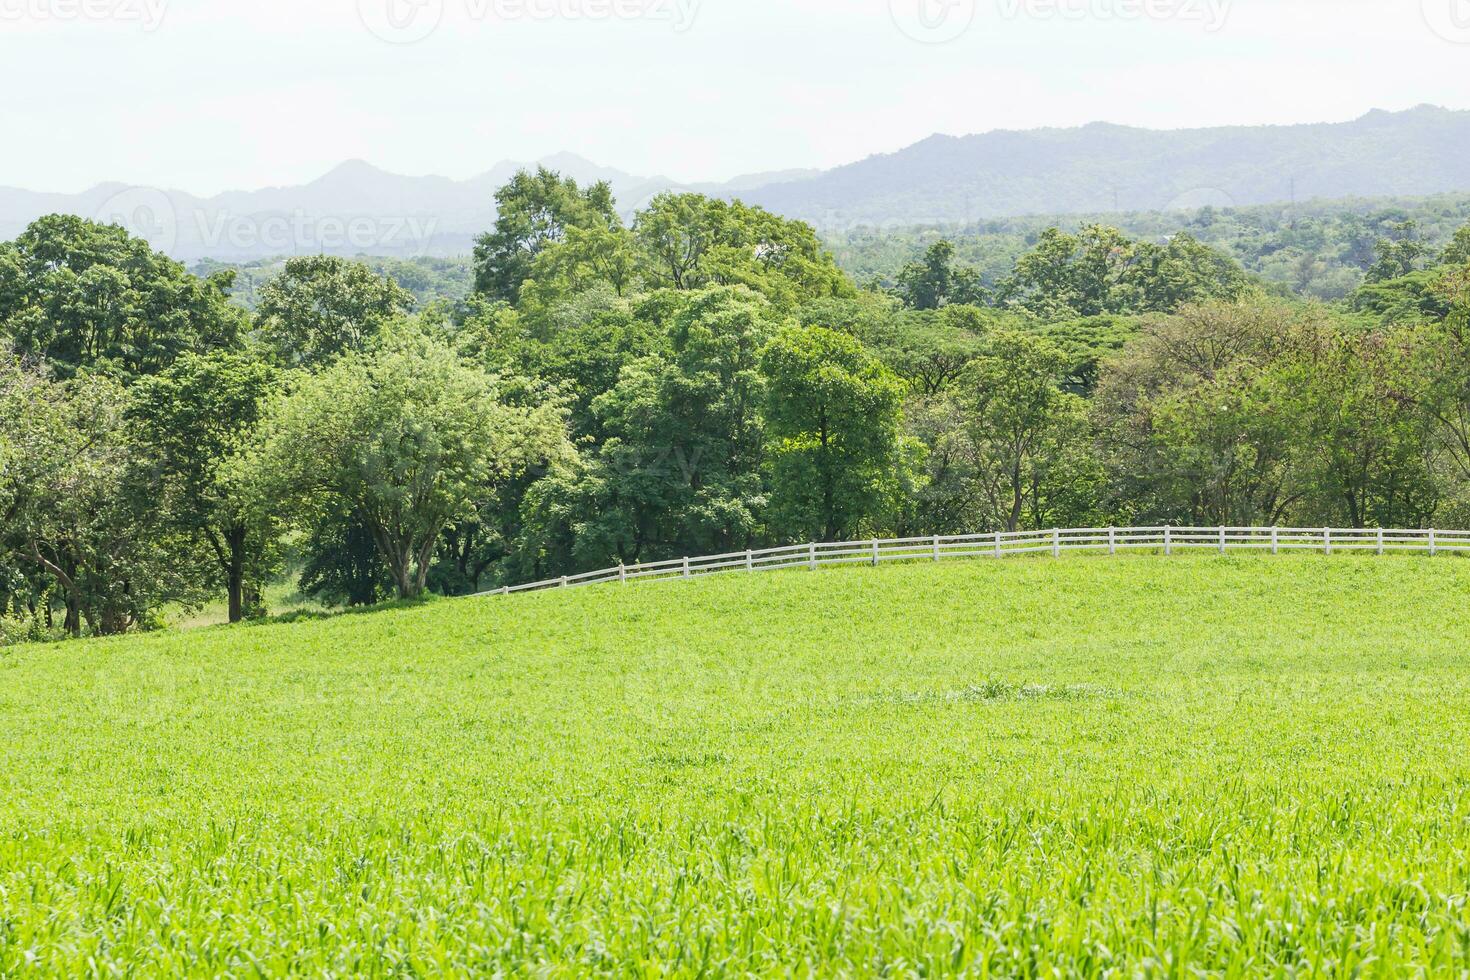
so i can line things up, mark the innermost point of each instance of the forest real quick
(702, 378)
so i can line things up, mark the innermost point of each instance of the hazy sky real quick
(206, 95)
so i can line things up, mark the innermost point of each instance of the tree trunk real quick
(425, 560)
(1018, 499)
(235, 573)
(403, 578)
(73, 623)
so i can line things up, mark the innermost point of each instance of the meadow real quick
(1090, 766)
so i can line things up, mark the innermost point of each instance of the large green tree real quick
(834, 423)
(1100, 271)
(1025, 432)
(1191, 417)
(407, 438)
(679, 469)
(320, 307)
(534, 212)
(81, 295)
(689, 241)
(84, 504)
(193, 417)
(936, 281)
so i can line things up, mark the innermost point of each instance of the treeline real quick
(703, 379)
(1317, 249)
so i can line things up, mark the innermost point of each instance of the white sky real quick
(207, 95)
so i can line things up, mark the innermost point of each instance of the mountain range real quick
(359, 209)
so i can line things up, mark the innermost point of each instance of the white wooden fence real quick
(1002, 544)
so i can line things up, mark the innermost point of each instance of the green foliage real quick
(86, 296)
(1316, 249)
(1457, 252)
(679, 464)
(321, 307)
(343, 566)
(1078, 767)
(834, 415)
(431, 281)
(192, 418)
(1099, 272)
(405, 439)
(935, 281)
(1027, 433)
(1396, 255)
(689, 241)
(535, 212)
(1415, 297)
(81, 502)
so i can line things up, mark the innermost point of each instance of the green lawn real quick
(1138, 765)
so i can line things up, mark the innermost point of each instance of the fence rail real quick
(1003, 544)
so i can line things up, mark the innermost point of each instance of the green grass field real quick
(1138, 765)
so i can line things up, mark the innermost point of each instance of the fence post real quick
(1380, 541)
(1275, 540)
(1433, 543)
(1056, 543)
(1168, 540)
(875, 552)
(686, 567)
(1112, 541)
(564, 581)
(1327, 540)
(749, 560)
(505, 591)
(936, 547)
(812, 556)
(1222, 539)
(622, 573)
(997, 544)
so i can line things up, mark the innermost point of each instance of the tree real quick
(935, 281)
(533, 213)
(83, 505)
(1100, 271)
(930, 349)
(1440, 373)
(585, 257)
(321, 307)
(1352, 395)
(1020, 422)
(679, 469)
(194, 417)
(689, 241)
(1398, 254)
(82, 295)
(407, 438)
(1417, 297)
(1457, 252)
(834, 420)
(1192, 418)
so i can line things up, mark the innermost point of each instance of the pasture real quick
(1081, 766)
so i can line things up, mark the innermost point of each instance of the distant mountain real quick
(1107, 168)
(356, 208)
(360, 209)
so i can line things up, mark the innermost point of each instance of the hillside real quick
(953, 180)
(1089, 765)
(1107, 168)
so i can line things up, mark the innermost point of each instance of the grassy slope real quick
(1240, 763)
